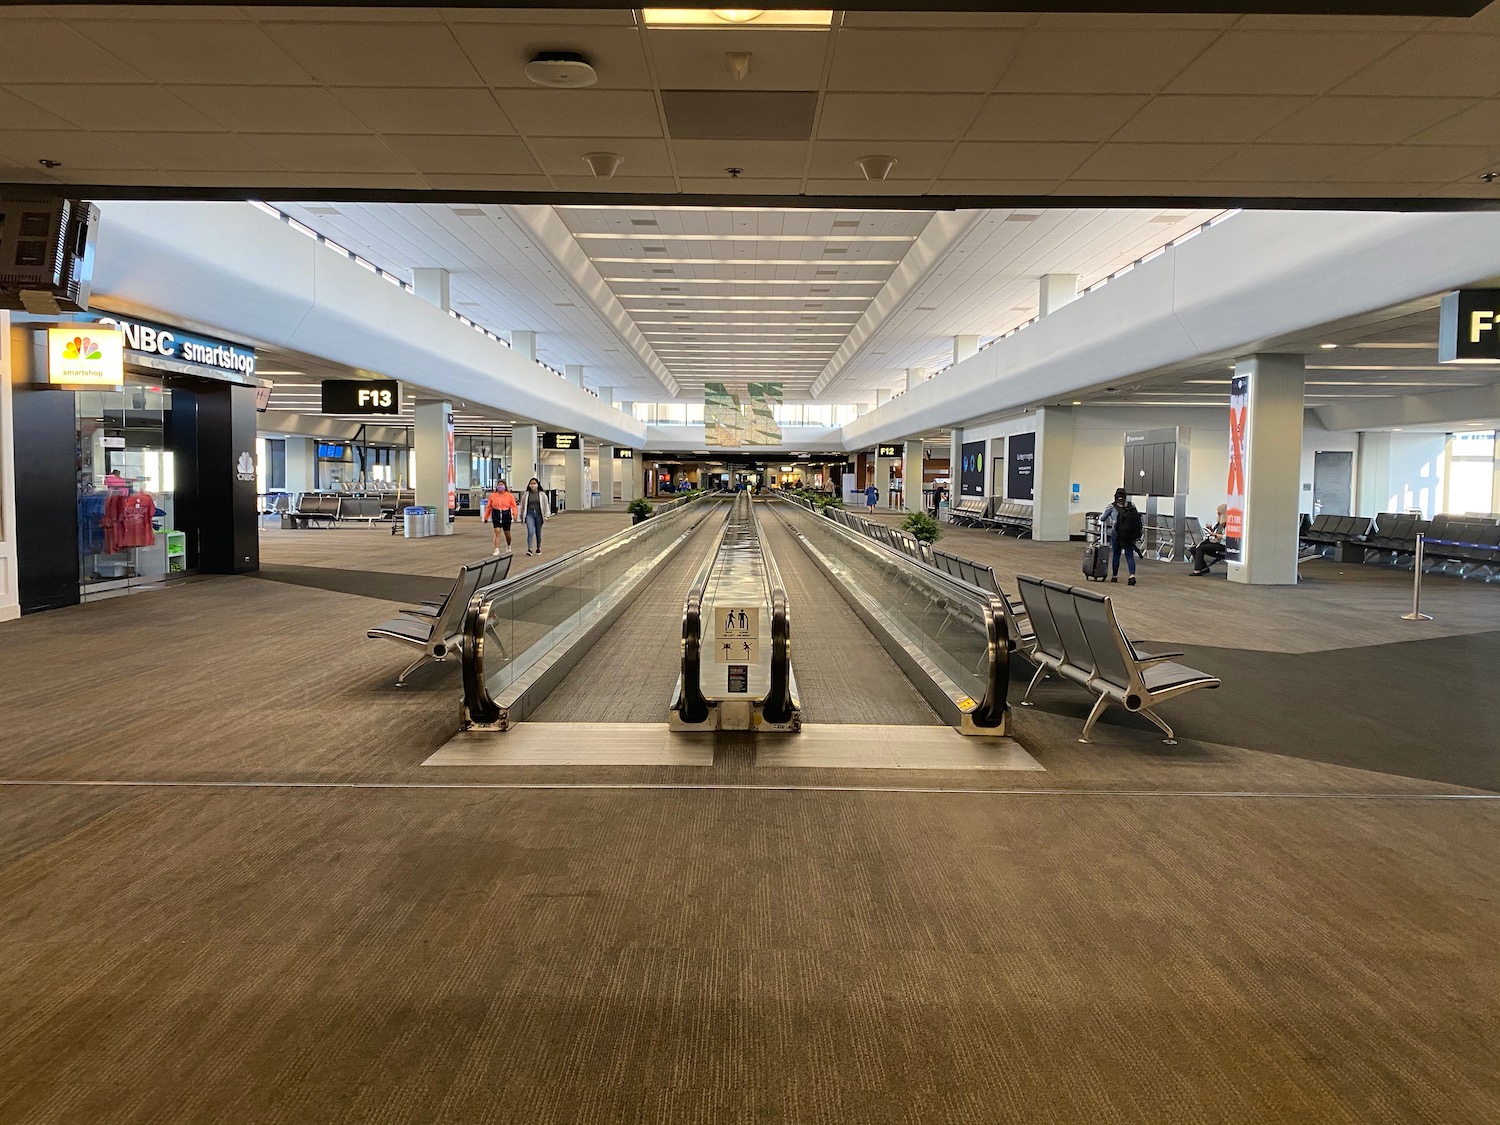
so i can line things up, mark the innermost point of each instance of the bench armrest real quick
(1154, 657)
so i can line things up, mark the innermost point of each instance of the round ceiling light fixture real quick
(604, 165)
(876, 168)
(739, 15)
(562, 70)
(1328, 347)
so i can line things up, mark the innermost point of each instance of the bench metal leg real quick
(412, 667)
(1099, 706)
(1171, 739)
(1041, 671)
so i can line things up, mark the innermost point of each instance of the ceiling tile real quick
(188, 51)
(998, 187)
(1045, 117)
(1334, 120)
(247, 179)
(1251, 62)
(759, 159)
(333, 14)
(1191, 117)
(50, 51)
(19, 112)
(581, 113)
(839, 187)
(75, 150)
(903, 116)
(147, 177)
(781, 60)
(619, 183)
(474, 155)
(1439, 164)
(929, 61)
(1152, 161)
(264, 109)
(915, 160)
(500, 53)
(721, 184)
(446, 181)
(1020, 160)
(135, 108)
(1295, 163)
(1479, 124)
(452, 110)
(376, 54)
(542, 17)
(1434, 65)
(563, 156)
(1101, 62)
(392, 181)
(206, 151)
(328, 153)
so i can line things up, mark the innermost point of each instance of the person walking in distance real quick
(872, 497)
(1120, 524)
(502, 508)
(536, 510)
(1211, 549)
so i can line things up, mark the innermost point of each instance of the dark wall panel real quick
(228, 535)
(46, 446)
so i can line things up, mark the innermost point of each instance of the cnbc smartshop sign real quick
(164, 348)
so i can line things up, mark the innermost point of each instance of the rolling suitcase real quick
(1096, 561)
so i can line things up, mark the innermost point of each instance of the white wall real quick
(1398, 471)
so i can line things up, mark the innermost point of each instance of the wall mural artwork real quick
(736, 415)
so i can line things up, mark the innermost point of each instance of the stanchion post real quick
(1416, 613)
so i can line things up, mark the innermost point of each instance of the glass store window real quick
(126, 536)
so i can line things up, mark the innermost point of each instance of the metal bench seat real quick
(437, 638)
(494, 570)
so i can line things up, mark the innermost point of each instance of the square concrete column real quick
(431, 435)
(523, 342)
(883, 475)
(523, 457)
(861, 409)
(911, 477)
(1265, 468)
(882, 397)
(432, 286)
(573, 372)
(301, 463)
(607, 395)
(1055, 291)
(629, 471)
(575, 480)
(606, 475)
(964, 347)
(1052, 473)
(915, 376)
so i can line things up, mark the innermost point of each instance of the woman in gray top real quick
(536, 509)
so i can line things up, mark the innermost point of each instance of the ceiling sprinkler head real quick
(604, 165)
(734, 173)
(45, 163)
(563, 70)
(738, 64)
(876, 168)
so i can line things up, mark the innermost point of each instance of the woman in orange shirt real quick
(502, 507)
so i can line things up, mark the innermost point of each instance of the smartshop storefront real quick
(134, 447)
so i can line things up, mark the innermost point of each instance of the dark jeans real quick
(1206, 553)
(1129, 550)
(533, 529)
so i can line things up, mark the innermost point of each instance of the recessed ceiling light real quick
(1328, 347)
(562, 70)
(806, 19)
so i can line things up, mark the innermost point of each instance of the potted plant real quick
(639, 509)
(922, 526)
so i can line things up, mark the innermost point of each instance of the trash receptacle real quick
(411, 520)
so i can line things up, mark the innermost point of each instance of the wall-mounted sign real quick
(85, 355)
(1239, 418)
(361, 396)
(888, 451)
(554, 440)
(624, 454)
(1151, 462)
(1020, 467)
(173, 349)
(971, 469)
(1469, 327)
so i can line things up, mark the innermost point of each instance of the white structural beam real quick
(1229, 291)
(233, 267)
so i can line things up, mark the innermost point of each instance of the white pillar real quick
(575, 480)
(629, 472)
(434, 458)
(301, 463)
(607, 395)
(882, 396)
(1055, 291)
(523, 459)
(523, 342)
(1052, 474)
(883, 475)
(955, 462)
(861, 409)
(432, 286)
(911, 477)
(573, 372)
(964, 347)
(606, 475)
(914, 377)
(1272, 469)
(10, 590)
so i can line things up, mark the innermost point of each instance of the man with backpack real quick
(1121, 525)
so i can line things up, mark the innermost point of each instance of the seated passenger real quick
(1211, 549)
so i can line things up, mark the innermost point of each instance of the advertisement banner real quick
(452, 466)
(723, 424)
(971, 469)
(741, 414)
(1239, 416)
(1020, 468)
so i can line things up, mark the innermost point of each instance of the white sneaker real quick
(495, 552)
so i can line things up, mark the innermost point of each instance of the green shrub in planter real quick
(640, 508)
(922, 526)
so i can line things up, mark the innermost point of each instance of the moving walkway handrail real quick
(479, 705)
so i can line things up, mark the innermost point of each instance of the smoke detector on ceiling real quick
(562, 70)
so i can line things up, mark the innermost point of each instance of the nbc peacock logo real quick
(82, 347)
(245, 467)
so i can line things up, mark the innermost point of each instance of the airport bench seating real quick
(495, 570)
(1079, 639)
(993, 514)
(436, 638)
(1464, 543)
(325, 509)
(969, 511)
(1009, 516)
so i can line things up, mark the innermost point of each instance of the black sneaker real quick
(1131, 582)
(1115, 578)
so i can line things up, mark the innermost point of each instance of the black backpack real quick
(1128, 524)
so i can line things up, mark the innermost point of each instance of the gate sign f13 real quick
(1469, 327)
(361, 396)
